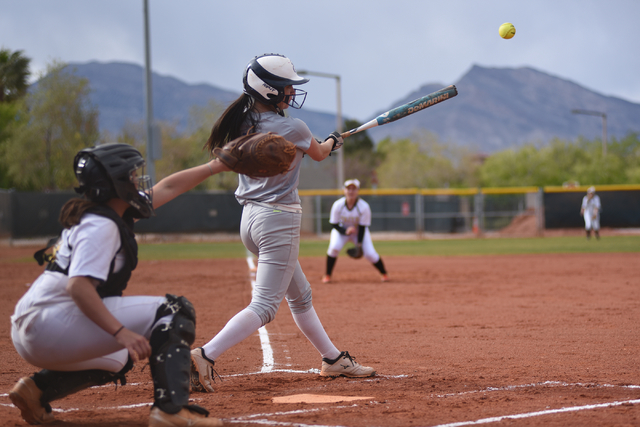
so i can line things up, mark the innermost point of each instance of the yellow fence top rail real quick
(470, 191)
(583, 188)
(509, 190)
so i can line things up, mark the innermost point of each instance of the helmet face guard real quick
(114, 171)
(266, 77)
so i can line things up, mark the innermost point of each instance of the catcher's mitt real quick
(355, 252)
(257, 155)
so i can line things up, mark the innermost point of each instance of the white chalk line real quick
(540, 413)
(268, 361)
(539, 384)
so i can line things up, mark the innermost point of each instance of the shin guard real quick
(170, 359)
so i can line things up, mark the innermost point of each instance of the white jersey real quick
(49, 330)
(280, 188)
(97, 238)
(360, 214)
(590, 206)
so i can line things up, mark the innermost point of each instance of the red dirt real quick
(454, 340)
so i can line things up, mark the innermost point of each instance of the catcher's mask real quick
(266, 77)
(114, 170)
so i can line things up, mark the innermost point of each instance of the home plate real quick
(317, 398)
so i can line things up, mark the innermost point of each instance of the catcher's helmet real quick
(266, 77)
(110, 170)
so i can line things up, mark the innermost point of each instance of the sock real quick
(331, 262)
(310, 325)
(241, 326)
(380, 266)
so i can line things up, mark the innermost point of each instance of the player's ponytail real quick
(240, 115)
(72, 211)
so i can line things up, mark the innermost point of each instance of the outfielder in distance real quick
(350, 218)
(271, 219)
(74, 322)
(590, 211)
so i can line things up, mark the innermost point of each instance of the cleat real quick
(384, 278)
(26, 396)
(326, 279)
(184, 418)
(202, 372)
(345, 366)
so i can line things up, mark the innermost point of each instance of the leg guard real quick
(170, 359)
(58, 384)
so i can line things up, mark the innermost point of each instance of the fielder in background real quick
(271, 219)
(350, 218)
(74, 323)
(590, 210)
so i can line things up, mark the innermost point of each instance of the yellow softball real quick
(507, 30)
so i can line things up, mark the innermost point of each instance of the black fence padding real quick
(27, 215)
(30, 215)
(195, 212)
(388, 214)
(5, 213)
(619, 209)
(36, 214)
(442, 204)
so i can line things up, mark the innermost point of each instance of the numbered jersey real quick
(360, 214)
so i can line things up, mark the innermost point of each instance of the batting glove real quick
(337, 140)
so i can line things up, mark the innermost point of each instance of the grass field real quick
(386, 248)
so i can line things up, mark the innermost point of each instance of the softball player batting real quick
(74, 322)
(271, 218)
(590, 211)
(350, 218)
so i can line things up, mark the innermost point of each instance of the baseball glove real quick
(257, 155)
(355, 252)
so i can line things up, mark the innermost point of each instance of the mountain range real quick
(496, 108)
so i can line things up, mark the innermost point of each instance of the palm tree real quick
(14, 72)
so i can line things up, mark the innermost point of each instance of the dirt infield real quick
(511, 340)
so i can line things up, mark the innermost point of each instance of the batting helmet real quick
(110, 170)
(266, 77)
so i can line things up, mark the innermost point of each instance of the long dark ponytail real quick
(240, 115)
(72, 211)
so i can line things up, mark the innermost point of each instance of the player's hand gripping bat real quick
(406, 109)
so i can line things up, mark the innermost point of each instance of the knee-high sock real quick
(241, 326)
(380, 266)
(310, 325)
(331, 262)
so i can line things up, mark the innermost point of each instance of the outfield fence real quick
(420, 211)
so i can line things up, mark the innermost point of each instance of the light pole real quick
(338, 118)
(604, 126)
(154, 143)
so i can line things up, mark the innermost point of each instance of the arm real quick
(361, 230)
(319, 151)
(180, 182)
(340, 229)
(83, 292)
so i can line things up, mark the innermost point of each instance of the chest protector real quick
(116, 281)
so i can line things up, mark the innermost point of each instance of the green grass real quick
(453, 247)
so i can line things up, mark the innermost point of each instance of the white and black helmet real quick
(266, 77)
(112, 170)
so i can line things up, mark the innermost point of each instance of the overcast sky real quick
(383, 50)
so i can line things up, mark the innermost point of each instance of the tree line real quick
(42, 126)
